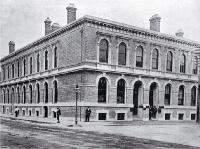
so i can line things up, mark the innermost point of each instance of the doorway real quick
(153, 97)
(137, 95)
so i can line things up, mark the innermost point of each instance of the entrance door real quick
(153, 94)
(137, 95)
(45, 111)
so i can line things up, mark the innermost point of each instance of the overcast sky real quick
(23, 20)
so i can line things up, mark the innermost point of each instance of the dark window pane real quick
(139, 57)
(102, 89)
(122, 54)
(121, 91)
(103, 51)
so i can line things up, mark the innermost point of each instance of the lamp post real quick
(77, 90)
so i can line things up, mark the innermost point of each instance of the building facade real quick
(122, 72)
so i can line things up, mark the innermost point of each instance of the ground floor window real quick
(102, 116)
(23, 112)
(193, 116)
(37, 113)
(167, 116)
(120, 116)
(29, 112)
(180, 116)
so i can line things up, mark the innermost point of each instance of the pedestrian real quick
(58, 115)
(150, 112)
(87, 114)
(154, 111)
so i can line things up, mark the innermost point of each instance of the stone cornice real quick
(111, 26)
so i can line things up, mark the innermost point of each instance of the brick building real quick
(122, 72)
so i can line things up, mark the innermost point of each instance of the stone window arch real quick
(122, 54)
(30, 93)
(139, 56)
(155, 59)
(38, 92)
(55, 92)
(181, 93)
(24, 94)
(193, 96)
(121, 86)
(182, 63)
(45, 92)
(46, 60)
(169, 61)
(167, 94)
(102, 90)
(195, 65)
(38, 62)
(103, 51)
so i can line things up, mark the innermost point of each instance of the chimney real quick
(71, 13)
(47, 26)
(155, 23)
(11, 45)
(55, 26)
(179, 33)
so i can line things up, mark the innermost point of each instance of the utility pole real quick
(76, 114)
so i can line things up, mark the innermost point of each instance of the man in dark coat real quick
(87, 114)
(58, 115)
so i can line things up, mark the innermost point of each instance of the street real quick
(17, 134)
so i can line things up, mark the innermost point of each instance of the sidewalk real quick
(186, 133)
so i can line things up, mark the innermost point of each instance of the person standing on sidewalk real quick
(58, 115)
(87, 114)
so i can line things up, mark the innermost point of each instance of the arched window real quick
(12, 95)
(102, 89)
(121, 91)
(193, 96)
(8, 96)
(122, 54)
(24, 94)
(45, 92)
(182, 63)
(31, 65)
(155, 59)
(18, 95)
(139, 56)
(55, 57)
(169, 61)
(181, 95)
(30, 94)
(46, 60)
(103, 51)
(55, 90)
(4, 96)
(38, 62)
(24, 66)
(195, 65)
(38, 92)
(167, 94)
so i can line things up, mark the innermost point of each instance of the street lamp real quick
(77, 90)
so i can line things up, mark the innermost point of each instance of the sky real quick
(22, 21)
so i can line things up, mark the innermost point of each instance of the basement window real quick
(102, 116)
(120, 116)
(180, 116)
(193, 116)
(167, 116)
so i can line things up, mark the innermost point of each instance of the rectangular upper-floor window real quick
(18, 71)
(4, 73)
(38, 62)
(139, 56)
(24, 65)
(8, 72)
(55, 57)
(31, 65)
(13, 70)
(103, 51)
(46, 60)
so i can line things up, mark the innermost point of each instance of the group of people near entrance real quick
(87, 114)
(152, 112)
